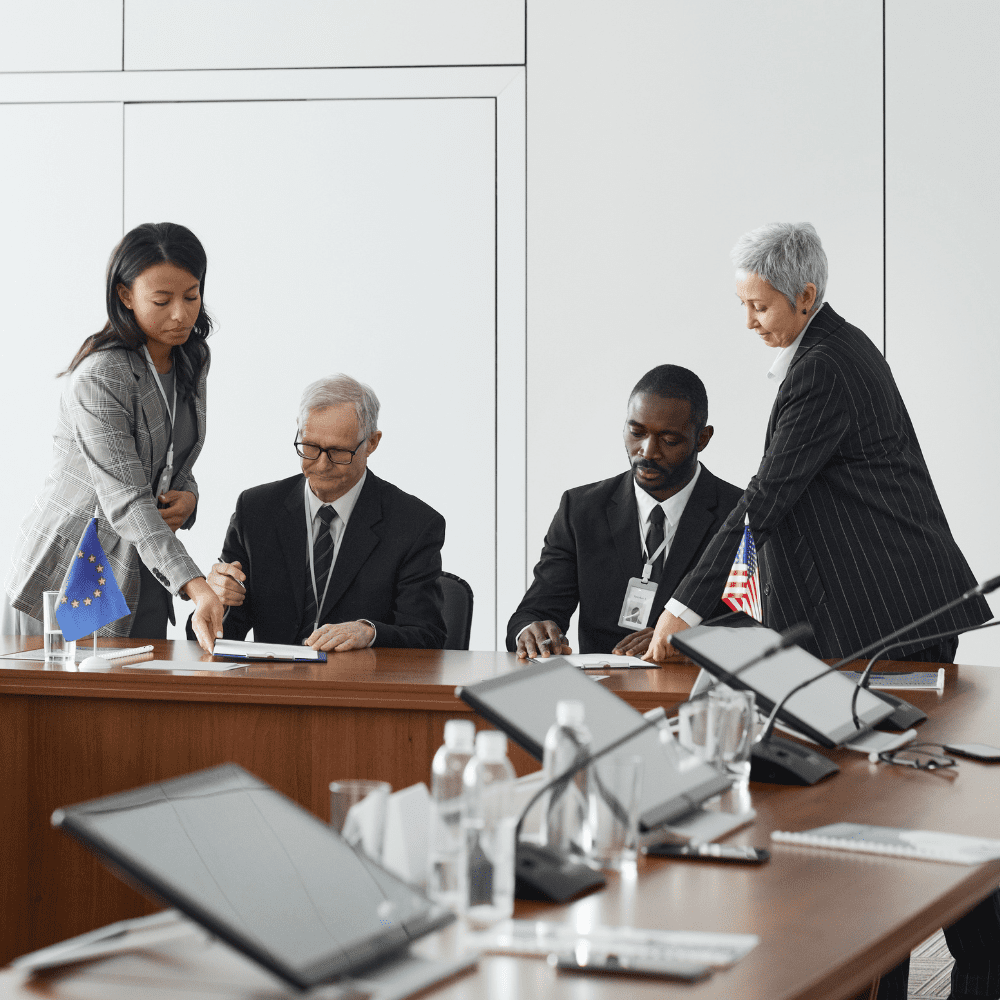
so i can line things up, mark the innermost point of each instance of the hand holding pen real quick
(228, 582)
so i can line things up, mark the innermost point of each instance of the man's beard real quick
(668, 478)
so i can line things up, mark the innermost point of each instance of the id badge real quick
(638, 604)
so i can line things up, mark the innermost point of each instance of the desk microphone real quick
(545, 873)
(866, 673)
(905, 714)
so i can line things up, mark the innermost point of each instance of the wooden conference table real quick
(67, 736)
(827, 921)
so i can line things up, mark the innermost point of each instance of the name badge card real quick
(638, 604)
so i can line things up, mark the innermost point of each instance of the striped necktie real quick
(322, 560)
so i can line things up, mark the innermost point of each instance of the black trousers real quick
(973, 940)
(155, 607)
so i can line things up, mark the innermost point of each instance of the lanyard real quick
(648, 568)
(168, 471)
(310, 544)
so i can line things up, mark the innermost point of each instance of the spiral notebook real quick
(955, 848)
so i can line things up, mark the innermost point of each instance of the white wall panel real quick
(60, 215)
(45, 35)
(657, 134)
(190, 34)
(342, 235)
(943, 203)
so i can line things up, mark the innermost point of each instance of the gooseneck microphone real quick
(545, 873)
(866, 673)
(983, 588)
(987, 587)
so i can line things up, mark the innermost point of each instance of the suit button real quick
(767, 590)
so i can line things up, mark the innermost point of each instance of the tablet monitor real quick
(523, 705)
(257, 870)
(821, 711)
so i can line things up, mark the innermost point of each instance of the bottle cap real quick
(459, 735)
(569, 713)
(491, 746)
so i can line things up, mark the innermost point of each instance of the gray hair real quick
(336, 389)
(787, 255)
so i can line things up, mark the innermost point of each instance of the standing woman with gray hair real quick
(131, 424)
(850, 533)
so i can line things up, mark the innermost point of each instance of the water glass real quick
(733, 716)
(719, 729)
(617, 785)
(57, 648)
(357, 812)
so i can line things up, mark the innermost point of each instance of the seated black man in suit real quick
(603, 533)
(334, 558)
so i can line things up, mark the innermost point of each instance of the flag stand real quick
(95, 643)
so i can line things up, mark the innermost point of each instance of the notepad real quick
(927, 845)
(918, 680)
(600, 661)
(237, 650)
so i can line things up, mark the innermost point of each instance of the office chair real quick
(457, 610)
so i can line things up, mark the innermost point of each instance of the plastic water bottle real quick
(488, 822)
(446, 812)
(569, 816)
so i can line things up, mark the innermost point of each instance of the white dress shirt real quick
(776, 373)
(673, 509)
(343, 506)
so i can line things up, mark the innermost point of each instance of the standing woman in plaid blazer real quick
(131, 423)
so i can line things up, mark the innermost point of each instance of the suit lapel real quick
(623, 522)
(358, 542)
(694, 524)
(290, 524)
(151, 404)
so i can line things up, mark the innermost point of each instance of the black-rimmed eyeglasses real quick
(923, 756)
(339, 456)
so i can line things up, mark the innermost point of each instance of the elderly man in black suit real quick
(850, 533)
(606, 533)
(334, 558)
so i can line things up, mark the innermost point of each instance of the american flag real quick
(742, 591)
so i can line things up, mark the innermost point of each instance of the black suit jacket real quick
(850, 533)
(592, 549)
(387, 568)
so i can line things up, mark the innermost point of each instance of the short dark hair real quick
(674, 382)
(146, 245)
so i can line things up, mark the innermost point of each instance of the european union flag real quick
(90, 597)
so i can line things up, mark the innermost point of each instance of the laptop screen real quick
(523, 705)
(257, 870)
(821, 711)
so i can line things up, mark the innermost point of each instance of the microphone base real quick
(784, 762)
(904, 715)
(544, 873)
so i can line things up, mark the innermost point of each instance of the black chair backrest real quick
(457, 610)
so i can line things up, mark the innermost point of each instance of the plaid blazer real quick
(111, 429)
(850, 533)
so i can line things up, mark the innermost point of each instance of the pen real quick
(225, 614)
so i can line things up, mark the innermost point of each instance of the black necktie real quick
(654, 536)
(322, 559)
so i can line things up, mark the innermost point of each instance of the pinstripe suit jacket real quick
(850, 533)
(110, 430)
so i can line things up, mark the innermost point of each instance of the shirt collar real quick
(673, 507)
(342, 505)
(777, 371)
